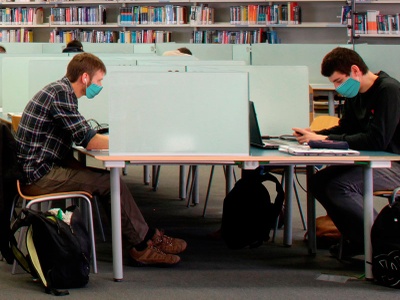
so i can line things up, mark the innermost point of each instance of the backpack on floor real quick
(385, 239)
(248, 214)
(56, 252)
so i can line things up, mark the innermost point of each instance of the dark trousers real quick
(340, 191)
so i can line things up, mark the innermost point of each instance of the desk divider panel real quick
(96, 108)
(107, 48)
(144, 48)
(200, 51)
(28, 75)
(27, 48)
(280, 95)
(381, 58)
(177, 60)
(53, 48)
(309, 55)
(179, 113)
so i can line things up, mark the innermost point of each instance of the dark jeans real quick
(340, 191)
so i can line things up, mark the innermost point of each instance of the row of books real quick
(108, 36)
(144, 36)
(168, 14)
(201, 14)
(372, 22)
(21, 16)
(74, 15)
(234, 37)
(90, 36)
(289, 13)
(21, 35)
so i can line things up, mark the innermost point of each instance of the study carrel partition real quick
(280, 95)
(309, 55)
(179, 114)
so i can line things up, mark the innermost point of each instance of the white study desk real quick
(368, 160)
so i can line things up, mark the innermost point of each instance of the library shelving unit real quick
(320, 20)
(375, 21)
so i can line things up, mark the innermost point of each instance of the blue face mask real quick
(93, 90)
(349, 88)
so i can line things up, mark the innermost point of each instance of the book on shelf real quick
(360, 23)
(21, 16)
(170, 17)
(229, 37)
(388, 24)
(90, 15)
(144, 12)
(272, 37)
(287, 13)
(345, 18)
(372, 26)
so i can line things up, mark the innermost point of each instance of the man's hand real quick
(306, 135)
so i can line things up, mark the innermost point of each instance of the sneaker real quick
(347, 250)
(153, 256)
(168, 244)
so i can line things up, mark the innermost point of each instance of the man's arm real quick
(306, 135)
(99, 141)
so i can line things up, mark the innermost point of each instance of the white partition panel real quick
(201, 51)
(107, 48)
(178, 113)
(280, 95)
(309, 55)
(381, 58)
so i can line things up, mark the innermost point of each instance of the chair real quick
(323, 122)
(15, 119)
(15, 122)
(29, 201)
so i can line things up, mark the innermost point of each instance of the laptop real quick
(256, 139)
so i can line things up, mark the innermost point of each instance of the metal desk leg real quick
(146, 174)
(182, 182)
(287, 234)
(195, 191)
(331, 103)
(311, 214)
(368, 218)
(116, 223)
(229, 178)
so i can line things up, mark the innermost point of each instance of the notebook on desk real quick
(256, 139)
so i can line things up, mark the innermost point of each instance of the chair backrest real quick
(324, 122)
(15, 122)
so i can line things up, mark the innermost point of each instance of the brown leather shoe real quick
(153, 256)
(168, 244)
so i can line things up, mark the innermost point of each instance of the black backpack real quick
(385, 239)
(248, 214)
(56, 253)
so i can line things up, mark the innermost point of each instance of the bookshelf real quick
(376, 21)
(320, 22)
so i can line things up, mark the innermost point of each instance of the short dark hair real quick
(2, 49)
(84, 63)
(340, 60)
(73, 46)
(185, 50)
